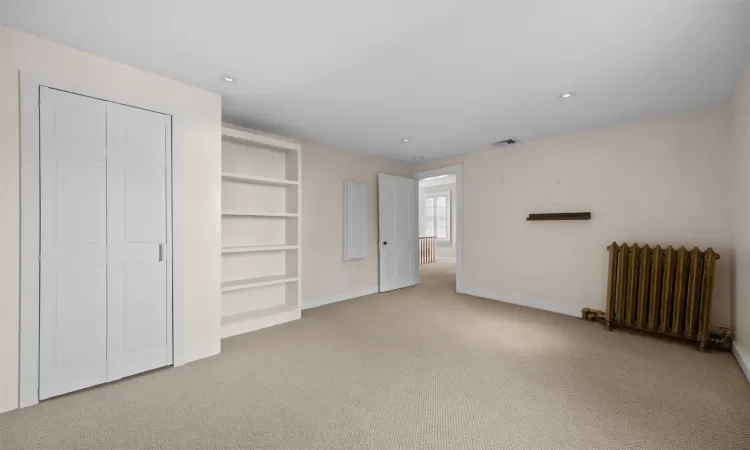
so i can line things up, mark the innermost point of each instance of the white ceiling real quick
(450, 75)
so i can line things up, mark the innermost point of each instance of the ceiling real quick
(449, 75)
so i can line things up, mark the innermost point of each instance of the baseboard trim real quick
(321, 301)
(743, 359)
(521, 301)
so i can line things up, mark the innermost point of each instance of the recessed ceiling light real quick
(406, 140)
(417, 158)
(227, 78)
(567, 94)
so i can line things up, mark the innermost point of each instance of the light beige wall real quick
(326, 277)
(741, 215)
(657, 182)
(201, 119)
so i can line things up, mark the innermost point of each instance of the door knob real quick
(385, 242)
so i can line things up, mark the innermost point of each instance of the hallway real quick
(439, 275)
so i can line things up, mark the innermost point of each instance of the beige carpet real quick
(421, 368)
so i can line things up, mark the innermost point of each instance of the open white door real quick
(138, 300)
(399, 232)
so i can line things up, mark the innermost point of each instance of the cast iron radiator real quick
(666, 291)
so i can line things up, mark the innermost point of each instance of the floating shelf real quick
(561, 216)
(256, 314)
(258, 214)
(257, 248)
(258, 180)
(248, 283)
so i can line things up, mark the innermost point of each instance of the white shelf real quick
(258, 180)
(248, 283)
(258, 139)
(257, 248)
(258, 214)
(256, 314)
(235, 324)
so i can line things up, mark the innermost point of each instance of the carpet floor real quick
(418, 368)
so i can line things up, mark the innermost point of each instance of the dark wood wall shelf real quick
(561, 216)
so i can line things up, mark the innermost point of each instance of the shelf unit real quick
(261, 236)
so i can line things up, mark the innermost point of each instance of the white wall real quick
(444, 249)
(326, 277)
(657, 182)
(201, 123)
(740, 163)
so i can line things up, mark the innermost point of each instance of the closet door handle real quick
(162, 252)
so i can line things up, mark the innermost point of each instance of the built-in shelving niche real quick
(260, 231)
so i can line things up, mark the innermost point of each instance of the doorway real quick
(440, 212)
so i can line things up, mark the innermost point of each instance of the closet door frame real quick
(30, 85)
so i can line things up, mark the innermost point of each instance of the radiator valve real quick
(722, 339)
(592, 315)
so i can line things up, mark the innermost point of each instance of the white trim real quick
(743, 359)
(524, 301)
(29, 264)
(29, 285)
(456, 170)
(255, 138)
(308, 304)
(441, 180)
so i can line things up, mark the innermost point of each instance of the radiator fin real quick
(693, 301)
(667, 290)
(643, 285)
(657, 271)
(632, 284)
(678, 307)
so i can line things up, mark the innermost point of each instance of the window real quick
(438, 216)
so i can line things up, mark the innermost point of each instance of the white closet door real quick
(139, 330)
(73, 243)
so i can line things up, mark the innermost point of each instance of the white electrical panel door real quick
(73, 242)
(356, 206)
(140, 336)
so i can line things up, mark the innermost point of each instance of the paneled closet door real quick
(139, 325)
(73, 243)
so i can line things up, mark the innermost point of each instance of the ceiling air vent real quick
(504, 142)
